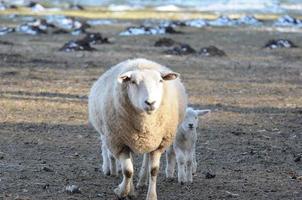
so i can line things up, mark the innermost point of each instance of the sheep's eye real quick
(133, 82)
(161, 80)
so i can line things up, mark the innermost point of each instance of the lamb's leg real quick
(143, 174)
(181, 161)
(170, 162)
(105, 165)
(126, 185)
(194, 161)
(154, 161)
(189, 167)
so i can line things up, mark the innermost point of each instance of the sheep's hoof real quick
(182, 183)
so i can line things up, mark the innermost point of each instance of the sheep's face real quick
(145, 88)
(190, 121)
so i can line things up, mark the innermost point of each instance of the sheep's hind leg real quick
(105, 164)
(154, 161)
(170, 162)
(126, 187)
(143, 174)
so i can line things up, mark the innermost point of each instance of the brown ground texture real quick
(251, 141)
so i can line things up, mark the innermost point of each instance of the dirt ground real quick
(251, 141)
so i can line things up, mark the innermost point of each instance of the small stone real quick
(209, 175)
(72, 189)
(47, 169)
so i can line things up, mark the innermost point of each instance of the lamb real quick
(136, 106)
(183, 148)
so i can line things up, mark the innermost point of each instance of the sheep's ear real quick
(169, 75)
(125, 77)
(202, 112)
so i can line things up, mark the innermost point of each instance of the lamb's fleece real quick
(112, 114)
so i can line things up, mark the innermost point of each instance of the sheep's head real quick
(145, 88)
(190, 121)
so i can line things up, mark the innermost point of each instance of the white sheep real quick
(183, 148)
(137, 106)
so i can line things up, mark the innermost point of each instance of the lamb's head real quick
(190, 121)
(145, 88)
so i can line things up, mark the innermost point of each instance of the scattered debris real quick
(247, 20)
(98, 22)
(6, 30)
(280, 43)
(211, 51)
(96, 38)
(288, 21)
(77, 45)
(145, 30)
(165, 42)
(78, 31)
(222, 21)
(76, 7)
(35, 6)
(67, 23)
(230, 194)
(196, 23)
(181, 49)
(72, 189)
(30, 29)
(209, 175)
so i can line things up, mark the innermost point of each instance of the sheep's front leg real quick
(154, 168)
(170, 162)
(113, 165)
(189, 165)
(194, 161)
(181, 161)
(126, 186)
(143, 174)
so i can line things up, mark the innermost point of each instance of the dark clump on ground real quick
(280, 43)
(164, 42)
(211, 51)
(96, 38)
(171, 30)
(6, 43)
(85, 43)
(77, 45)
(180, 49)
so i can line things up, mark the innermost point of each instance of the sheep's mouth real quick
(150, 109)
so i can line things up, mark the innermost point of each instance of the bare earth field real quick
(251, 141)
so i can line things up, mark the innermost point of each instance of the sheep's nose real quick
(190, 125)
(149, 103)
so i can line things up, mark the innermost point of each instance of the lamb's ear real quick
(202, 112)
(125, 77)
(168, 75)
